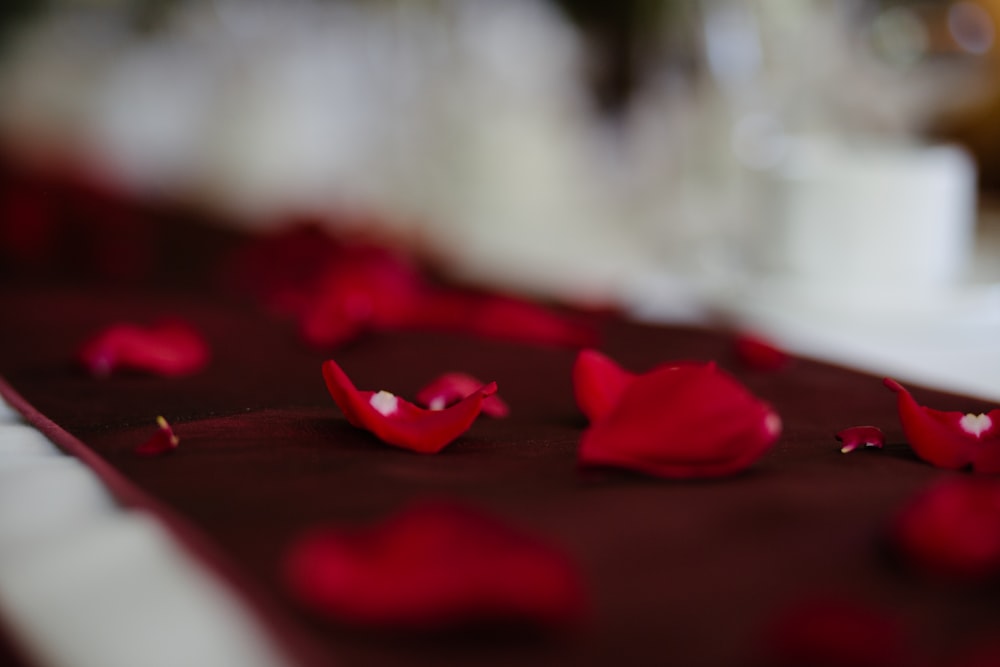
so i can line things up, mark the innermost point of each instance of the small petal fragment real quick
(403, 424)
(162, 442)
(860, 436)
(434, 566)
(952, 529)
(450, 388)
(950, 440)
(683, 421)
(170, 349)
(760, 354)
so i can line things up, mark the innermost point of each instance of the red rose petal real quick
(363, 289)
(169, 349)
(339, 291)
(499, 317)
(833, 632)
(162, 442)
(434, 566)
(855, 437)
(598, 383)
(760, 354)
(949, 440)
(688, 420)
(450, 388)
(399, 422)
(952, 528)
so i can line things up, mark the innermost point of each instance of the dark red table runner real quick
(680, 573)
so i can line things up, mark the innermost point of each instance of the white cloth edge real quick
(86, 583)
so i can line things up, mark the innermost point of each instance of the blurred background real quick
(819, 171)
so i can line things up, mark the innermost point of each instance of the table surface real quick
(686, 573)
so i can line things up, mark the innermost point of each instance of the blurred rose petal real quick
(340, 291)
(759, 353)
(363, 289)
(952, 529)
(171, 349)
(434, 566)
(500, 317)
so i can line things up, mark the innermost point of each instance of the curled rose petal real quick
(952, 529)
(682, 421)
(598, 383)
(399, 422)
(170, 349)
(833, 632)
(450, 388)
(434, 566)
(759, 354)
(162, 442)
(860, 436)
(949, 440)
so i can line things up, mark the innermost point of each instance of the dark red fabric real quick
(681, 573)
(298, 645)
